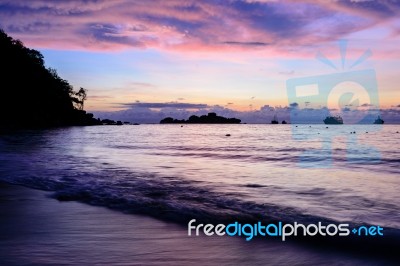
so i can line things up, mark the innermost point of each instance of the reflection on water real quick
(196, 168)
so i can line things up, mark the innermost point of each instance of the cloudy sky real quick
(142, 60)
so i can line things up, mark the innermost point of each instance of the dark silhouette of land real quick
(211, 118)
(34, 96)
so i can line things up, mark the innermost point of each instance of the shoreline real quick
(36, 229)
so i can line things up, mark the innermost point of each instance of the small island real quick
(211, 118)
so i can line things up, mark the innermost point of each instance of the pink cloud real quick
(190, 25)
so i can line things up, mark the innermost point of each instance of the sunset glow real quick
(233, 55)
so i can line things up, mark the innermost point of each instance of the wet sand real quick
(38, 230)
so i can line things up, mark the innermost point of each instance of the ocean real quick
(288, 173)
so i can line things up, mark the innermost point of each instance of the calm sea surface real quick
(277, 172)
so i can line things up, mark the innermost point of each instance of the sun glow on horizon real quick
(157, 52)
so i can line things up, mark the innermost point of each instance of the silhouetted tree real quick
(80, 98)
(33, 95)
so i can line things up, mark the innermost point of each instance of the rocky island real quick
(211, 118)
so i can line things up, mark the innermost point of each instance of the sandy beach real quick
(38, 230)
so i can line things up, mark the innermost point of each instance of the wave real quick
(360, 162)
(172, 199)
(164, 197)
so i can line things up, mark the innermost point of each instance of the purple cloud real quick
(208, 24)
(166, 105)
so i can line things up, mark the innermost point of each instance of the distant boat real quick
(333, 120)
(379, 121)
(284, 122)
(275, 120)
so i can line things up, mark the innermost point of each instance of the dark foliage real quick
(211, 118)
(33, 95)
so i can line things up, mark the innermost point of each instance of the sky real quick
(144, 60)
